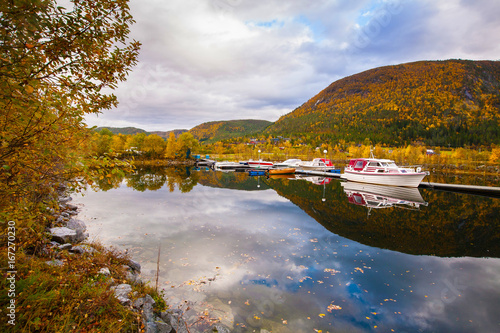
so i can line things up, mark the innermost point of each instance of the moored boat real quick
(382, 172)
(282, 171)
(320, 164)
(260, 164)
(228, 165)
(290, 163)
(256, 172)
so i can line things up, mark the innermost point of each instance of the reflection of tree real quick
(451, 225)
(182, 177)
(152, 179)
(142, 180)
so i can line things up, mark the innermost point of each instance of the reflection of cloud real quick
(237, 246)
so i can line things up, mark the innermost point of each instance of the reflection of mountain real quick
(232, 180)
(451, 225)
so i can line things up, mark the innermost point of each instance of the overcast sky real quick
(204, 60)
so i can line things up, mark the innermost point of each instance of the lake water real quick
(306, 255)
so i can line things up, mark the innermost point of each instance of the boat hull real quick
(260, 165)
(285, 171)
(392, 179)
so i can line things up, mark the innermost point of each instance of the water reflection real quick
(379, 197)
(269, 254)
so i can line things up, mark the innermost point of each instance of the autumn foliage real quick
(440, 103)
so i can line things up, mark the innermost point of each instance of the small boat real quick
(256, 172)
(283, 171)
(382, 172)
(290, 163)
(319, 164)
(227, 165)
(260, 164)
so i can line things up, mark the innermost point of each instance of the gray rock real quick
(66, 246)
(55, 262)
(65, 199)
(69, 206)
(134, 265)
(104, 271)
(150, 327)
(163, 327)
(64, 235)
(83, 248)
(121, 293)
(147, 309)
(175, 320)
(219, 328)
(133, 278)
(76, 225)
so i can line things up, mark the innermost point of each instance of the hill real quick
(123, 130)
(453, 102)
(221, 130)
(166, 134)
(134, 130)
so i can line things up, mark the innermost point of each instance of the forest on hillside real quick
(440, 103)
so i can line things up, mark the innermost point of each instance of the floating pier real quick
(472, 189)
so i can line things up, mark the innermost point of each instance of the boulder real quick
(134, 265)
(77, 225)
(64, 235)
(122, 292)
(84, 248)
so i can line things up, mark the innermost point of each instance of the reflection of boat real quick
(316, 180)
(289, 176)
(284, 171)
(260, 164)
(380, 196)
(227, 165)
(290, 163)
(383, 172)
(253, 172)
(319, 164)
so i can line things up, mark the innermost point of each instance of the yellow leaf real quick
(29, 89)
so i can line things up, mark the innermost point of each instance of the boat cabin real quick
(322, 161)
(373, 165)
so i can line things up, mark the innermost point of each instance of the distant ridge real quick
(221, 130)
(452, 102)
(123, 130)
(134, 130)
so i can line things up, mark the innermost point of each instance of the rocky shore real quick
(69, 234)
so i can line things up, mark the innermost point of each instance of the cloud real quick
(233, 59)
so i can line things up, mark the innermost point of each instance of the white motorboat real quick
(228, 165)
(260, 164)
(382, 172)
(290, 163)
(319, 164)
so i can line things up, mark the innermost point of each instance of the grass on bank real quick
(74, 297)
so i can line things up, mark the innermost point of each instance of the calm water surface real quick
(307, 255)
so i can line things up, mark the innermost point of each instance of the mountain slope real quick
(453, 102)
(221, 130)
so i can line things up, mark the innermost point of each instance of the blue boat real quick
(256, 172)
